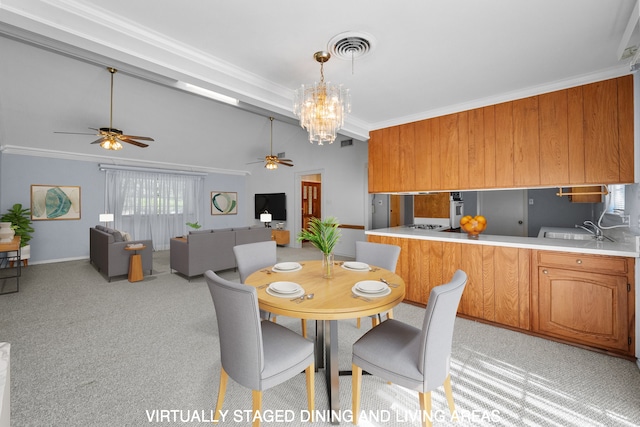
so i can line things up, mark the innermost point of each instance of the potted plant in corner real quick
(324, 235)
(20, 220)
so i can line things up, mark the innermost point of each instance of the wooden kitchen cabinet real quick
(554, 137)
(377, 162)
(526, 142)
(571, 137)
(498, 277)
(584, 299)
(423, 155)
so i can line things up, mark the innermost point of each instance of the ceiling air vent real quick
(351, 45)
(346, 143)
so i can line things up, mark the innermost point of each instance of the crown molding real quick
(65, 155)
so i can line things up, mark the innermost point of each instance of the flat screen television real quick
(274, 203)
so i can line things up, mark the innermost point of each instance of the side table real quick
(6, 271)
(135, 263)
(280, 236)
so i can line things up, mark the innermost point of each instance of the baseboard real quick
(51, 261)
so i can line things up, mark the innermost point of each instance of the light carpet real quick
(88, 352)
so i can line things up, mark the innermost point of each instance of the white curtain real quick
(153, 206)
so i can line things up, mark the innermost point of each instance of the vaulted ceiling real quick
(425, 58)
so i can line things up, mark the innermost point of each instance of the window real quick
(616, 199)
(153, 206)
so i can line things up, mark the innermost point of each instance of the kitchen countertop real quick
(624, 246)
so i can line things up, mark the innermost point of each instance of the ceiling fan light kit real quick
(111, 138)
(271, 161)
(321, 107)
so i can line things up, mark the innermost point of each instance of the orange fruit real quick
(481, 219)
(465, 219)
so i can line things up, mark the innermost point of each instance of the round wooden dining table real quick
(333, 299)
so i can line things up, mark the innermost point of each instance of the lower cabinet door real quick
(586, 308)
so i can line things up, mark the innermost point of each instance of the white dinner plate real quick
(354, 265)
(358, 292)
(296, 294)
(287, 266)
(371, 286)
(284, 287)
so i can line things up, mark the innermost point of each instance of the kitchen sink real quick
(567, 233)
(568, 236)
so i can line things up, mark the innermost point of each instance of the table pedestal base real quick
(327, 352)
(135, 268)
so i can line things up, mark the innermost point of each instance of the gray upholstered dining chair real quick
(418, 359)
(255, 353)
(379, 255)
(252, 257)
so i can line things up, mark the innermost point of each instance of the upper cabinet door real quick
(577, 136)
(625, 128)
(423, 152)
(406, 174)
(601, 134)
(376, 160)
(554, 137)
(526, 142)
(504, 145)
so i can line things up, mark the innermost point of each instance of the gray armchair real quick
(418, 359)
(107, 253)
(379, 255)
(256, 354)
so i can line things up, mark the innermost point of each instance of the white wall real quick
(43, 92)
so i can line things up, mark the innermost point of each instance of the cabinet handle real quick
(578, 261)
(545, 271)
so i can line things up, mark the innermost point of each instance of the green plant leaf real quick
(20, 220)
(324, 235)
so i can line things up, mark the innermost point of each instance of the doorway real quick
(311, 188)
(310, 179)
(506, 212)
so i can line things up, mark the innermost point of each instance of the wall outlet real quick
(626, 219)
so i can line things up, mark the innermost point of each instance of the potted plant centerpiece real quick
(20, 220)
(324, 235)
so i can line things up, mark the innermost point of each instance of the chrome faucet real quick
(592, 228)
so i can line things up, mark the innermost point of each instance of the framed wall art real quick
(224, 203)
(55, 202)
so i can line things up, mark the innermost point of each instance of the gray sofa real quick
(107, 253)
(204, 250)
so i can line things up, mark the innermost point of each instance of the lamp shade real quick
(107, 217)
(265, 217)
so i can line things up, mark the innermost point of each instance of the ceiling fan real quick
(271, 161)
(110, 137)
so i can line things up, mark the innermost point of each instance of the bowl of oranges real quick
(473, 226)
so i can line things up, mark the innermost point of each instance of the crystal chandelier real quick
(321, 106)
